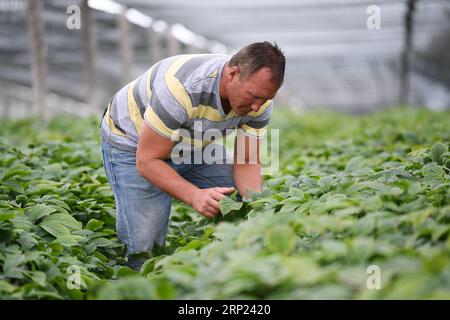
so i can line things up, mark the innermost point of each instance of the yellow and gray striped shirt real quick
(180, 92)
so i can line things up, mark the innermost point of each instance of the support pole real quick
(173, 44)
(126, 50)
(154, 44)
(405, 69)
(89, 55)
(38, 50)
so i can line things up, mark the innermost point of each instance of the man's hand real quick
(206, 201)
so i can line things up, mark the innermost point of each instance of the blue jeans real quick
(143, 210)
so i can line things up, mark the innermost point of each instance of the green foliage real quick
(351, 192)
(56, 211)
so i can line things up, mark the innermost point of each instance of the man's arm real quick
(152, 150)
(247, 166)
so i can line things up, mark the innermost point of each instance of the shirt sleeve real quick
(164, 113)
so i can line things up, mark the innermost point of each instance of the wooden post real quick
(173, 44)
(126, 50)
(406, 53)
(7, 102)
(89, 55)
(155, 52)
(38, 49)
(193, 49)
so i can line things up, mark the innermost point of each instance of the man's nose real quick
(256, 106)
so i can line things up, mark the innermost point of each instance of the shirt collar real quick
(218, 101)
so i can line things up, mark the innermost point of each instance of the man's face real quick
(249, 93)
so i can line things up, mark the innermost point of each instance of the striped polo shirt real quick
(179, 98)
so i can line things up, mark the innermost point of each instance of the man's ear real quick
(234, 71)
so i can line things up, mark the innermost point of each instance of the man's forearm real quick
(162, 176)
(247, 177)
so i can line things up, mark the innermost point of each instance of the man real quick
(183, 97)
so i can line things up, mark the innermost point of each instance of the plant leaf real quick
(437, 151)
(55, 228)
(227, 205)
(281, 239)
(39, 211)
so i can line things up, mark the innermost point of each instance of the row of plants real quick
(359, 209)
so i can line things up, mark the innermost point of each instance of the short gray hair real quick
(255, 56)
